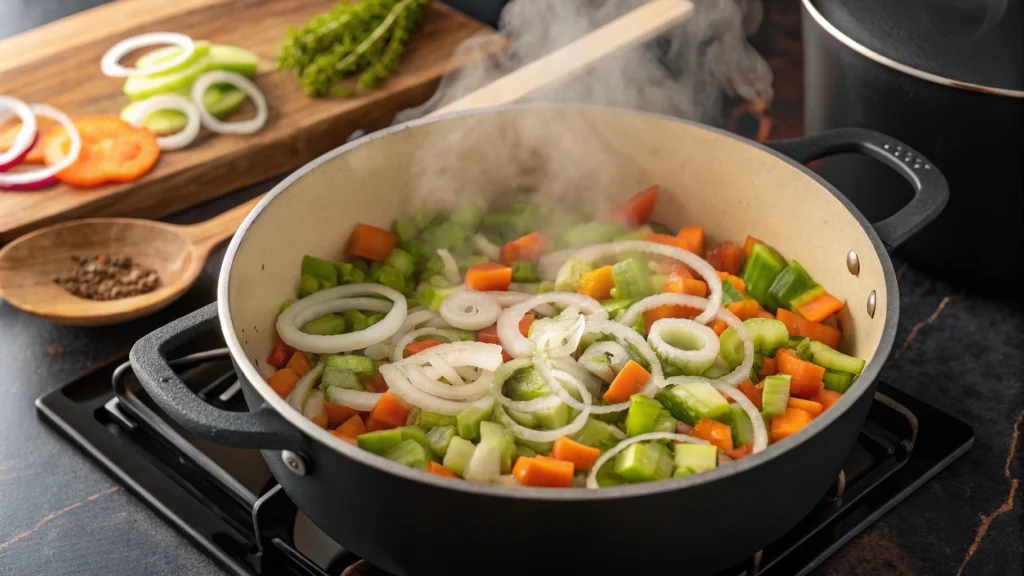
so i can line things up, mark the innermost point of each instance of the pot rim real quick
(899, 66)
(250, 375)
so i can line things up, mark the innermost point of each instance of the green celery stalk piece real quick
(742, 427)
(718, 369)
(286, 304)
(642, 415)
(502, 438)
(322, 269)
(694, 459)
(340, 378)
(526, 384)
(523, 452)
(408, 453)
(632, 279)
(521, 418)
(665, 422)
(692, 401)
(775, 396)
(357, 364)
(569, 275)
(308, 284)
(824, 355)
(591, 233)
(326, 325)
(485, 465)
(538, 447)
(456, 458)
(790, 283)
(768, 335)
(837, 381)
(635, 234)
(468, 214)
(468, 421)
(416, 434)
(440, 438)
(430, 419)
(233, 59)
(642, 462)
(402, 261)
(596, 434)
(355, 320)
(763, 265)
(524, 271)
(615, 306)
(380, 441)
(607, 477)
(552, 417)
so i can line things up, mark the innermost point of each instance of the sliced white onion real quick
(614, 358)
(552, 377)
(241, 82)
(304, 386)
(532, 435)
(451, 267)
(629, 336)
(414, 318)
(559, 336)
(690, 360)
(444, 369)
(597, 251)
(470, 310)
(475, 354)
(357, 399)
(472, 391)
(398, 352)
(760, 432)
(334, 300)
(400, 385)
(511, 298)
(26, 138)
(110, 64)
(46, 176)
(484, 246)
(514, 343)
(179, 139)
(592, 477)
(378, 351)
(503, 373)
(574, 369)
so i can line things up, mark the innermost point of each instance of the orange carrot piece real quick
(736, 281)
(524, 325)
(374, 383)
(695, 287)
(417, 346)
(827, 398)
(668, 311)
(768, 368)
(371, 243)
(667, 240)
(693, 238)
(283, 381)
(299, 363)
(598, 283)
(744, 309)
(347, 440)
(812, 407)
(713, 431)
(543, 472)
(582, 456)
(762, 313)
(338, 414)
(636, 210)
(490, 336)
(799, 326)
(627, 382)
(821, 307)
(674, 285)
(752, 392)
(789, 422)
(530, 247)
(391, 410)
(488, 276)
(748, 245)
(671, 267)
(741, 451)
(805, 378)
(725, 257)
(352, 427)
(435, 468)
(719, 326)
(281, 353)
(374, 425)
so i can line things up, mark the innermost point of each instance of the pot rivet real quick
(886, 146)
(853, 263)
(296, 465)
(872, 298)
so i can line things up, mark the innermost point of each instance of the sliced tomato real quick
(112, 151)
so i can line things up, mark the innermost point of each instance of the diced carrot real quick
(827, 398)
(543, 472)
(748, 245)
(768, 368)
(283, 381)
(805, 378)
(338, 414)
(752, 392)
(348, 440)
(741, 451)
(719, 326)
(530, 247)
(435, 468)
(391, 410)
(813, 408)
(417, 346)
(630, 380)
(598, 283)
(375, 425)
(713, 431)
(695, 287)
(320, 419)
(636, 210)
(674, 285)
(488, 276)
(789, 422)
(371, 243)
(821, 307)
(489, 335)
(736, 281)
(725, 257)
(374, 383)
(799, 326)
(280, 355)
(299, 363)
(352, 427)
(693, 238)
(524, 325)
(581, 455)
(667, 240)
(668, 311)
(671, 267)
(744, 309)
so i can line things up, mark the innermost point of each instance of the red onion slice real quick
(183, 137)
(46, 176)
(26, 138)
(241, 82)
(110, 64)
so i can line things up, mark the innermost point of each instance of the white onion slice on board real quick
(451, 267)
(514, 343)
(701, 349)
(760, 432)
(181, 138)
(241, 82)
(46, 176)
(532, 435)
(110, 63)
(484, 246)
(290, 321)
(470, 310)
(27, 134)
(614, 451)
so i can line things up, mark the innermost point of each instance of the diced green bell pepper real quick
(790, 283)
(380, 441)
(763, 265)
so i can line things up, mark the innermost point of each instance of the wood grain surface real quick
(58, 64)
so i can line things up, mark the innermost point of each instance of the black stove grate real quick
(226, 501)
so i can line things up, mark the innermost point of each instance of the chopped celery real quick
(468, 214)
(356, 275)
(644, 462)
(763, 265)
(634, 234)
(485, 464)
(823, 355)
(449, 235)
(308, 284)
(591, 233)
(633, 353)
(402, 261)
(472, 260)
(775, 395)
(416, 434)
(768, 335)
(409, 453)
(558, 222)
(742, 427)
(373, 319)
(526, 384)
(463, 335)
(375, 268)
(390, 276)
(790, 283)
(344, 271)
(632, 279)
(357, 364)
(545, 286)
(718, 369)
(495, 434)
(606, 475)
(659, 228)
(501, 226)
(458, 455)
(431, 296)
(730, 294)
(523, 452)
(430, 419)
(642, 415)
(568, 278)
(524, 271)
(361, 265)
(837, 381)
(323, 270)
(326, 325)
(692, 401)
(807, 296)
(354, 320)
(468, 421)
(380, 441)
(286, 304)
(615, 306)
(755, 368)
(407, 230)
(665, 422)
(803, 349)
(658, 282)
(596, 434)
(694, 458)
(538, 447)
(521, 418)
(552, 417)
(340, 378)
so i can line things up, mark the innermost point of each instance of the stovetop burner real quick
(226, 501)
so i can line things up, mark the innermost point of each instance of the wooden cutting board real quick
(58, 64)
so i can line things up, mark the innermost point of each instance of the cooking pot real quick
(406, 521)
(946, 77)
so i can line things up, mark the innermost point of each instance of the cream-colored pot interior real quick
(571, 155)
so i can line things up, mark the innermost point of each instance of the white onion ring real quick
(378, 351)
(476, 354)
(503, 373)
(183, 137)
(690, 361)
(576, 370)
(760, 432)
(400, 385)
(511, 298)
(304, 386)
(614, 451)
(628, 335)
(414, 318)
(514, 343)
(484, 246)
(398, 352)
(27, 135)
(592, 253)
(566, 340)
(553, 376)
(444, 369)
(470, 310)
(238, 81)
(471, 392)
(110, 62)
(451, 267)
(334, 300)
(532, 435)
(46, 176)
(617, 358)
(358, 399)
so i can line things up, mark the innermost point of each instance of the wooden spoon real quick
(178, 253)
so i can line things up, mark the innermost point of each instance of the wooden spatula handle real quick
(206, 235)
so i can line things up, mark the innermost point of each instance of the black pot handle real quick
(262, 429)
(930, 188)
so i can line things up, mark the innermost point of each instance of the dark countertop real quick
(60, 514)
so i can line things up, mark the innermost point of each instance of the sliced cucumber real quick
(823, 355)
(460, 452)
(233, 59)
(775, 395)
(140, 87)
(642, 415)
(694, 458)
(440, 438)
(837, 381)
(742, 427)
(692, 401)
(164, 54)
